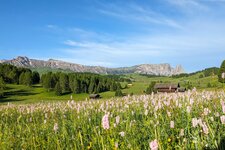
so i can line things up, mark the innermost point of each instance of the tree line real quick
(78, 83)
(15, 75)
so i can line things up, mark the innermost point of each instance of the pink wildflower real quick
(194, 122)
(171, 124)
(181, 132)
(117, 119)
(122, 134)
(206, 111)
(191, 101)
(188, 109)
(223, 108)
(205, 128)
(116, 145)
(217, 114)
(105, 121)
(200, 122)
(153, 145)
(222, 118)
(56, 127)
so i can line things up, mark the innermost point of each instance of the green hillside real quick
(36, 93)
(15, 91)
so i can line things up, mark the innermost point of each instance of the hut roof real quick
(166, 85)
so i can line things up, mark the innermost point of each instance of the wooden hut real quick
(166, 87)
(94, 96)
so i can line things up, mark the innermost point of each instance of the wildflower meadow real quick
(190, 120)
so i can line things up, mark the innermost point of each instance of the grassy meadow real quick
(33, 118)
(36, 93)
(190, 120)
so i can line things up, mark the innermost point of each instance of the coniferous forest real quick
(59, 82)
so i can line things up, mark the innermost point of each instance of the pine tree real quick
(13, 75)
(221, 71)
(91, 87)
(58, 90)
(150, 88)
(76, 86)
(35, 77)
(64, 82)
(27, 79)
(118, 92)
(22, 78)
(113, 86)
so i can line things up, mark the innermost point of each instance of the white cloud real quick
(194, 36)
(50, 26)
(136, 13)
(189, 5)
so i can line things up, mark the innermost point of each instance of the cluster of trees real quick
(14, 75)
(78, 83)
(221, 72)
(150, 88)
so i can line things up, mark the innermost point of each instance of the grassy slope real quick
(141, 82)
(20, 93)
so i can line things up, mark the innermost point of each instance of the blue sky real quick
(115, 33)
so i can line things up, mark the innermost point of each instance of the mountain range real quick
(151, 69)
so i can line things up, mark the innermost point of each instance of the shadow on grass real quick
(11, 96)
(6, 100)
(66, 93)
(8, 88)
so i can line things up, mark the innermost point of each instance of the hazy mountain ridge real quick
(152, 69)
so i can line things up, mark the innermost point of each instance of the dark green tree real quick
(35, 77)
(76, 86)
(150, 88)
(2, 87)
(22, 78)
(27, 78)
(201, 76)
(49, 81)
(58, 90)
(118, 92)
(221, 71)
(14, 76)
(113, 86)
(64, 82)
(91, 87)
(209, 85)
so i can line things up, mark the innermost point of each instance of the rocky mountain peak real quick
(151, 69)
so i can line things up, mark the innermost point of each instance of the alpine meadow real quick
(112, 75)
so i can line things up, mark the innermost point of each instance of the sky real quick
(115, 33)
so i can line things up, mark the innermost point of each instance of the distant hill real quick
(41, 65)
(204, 73)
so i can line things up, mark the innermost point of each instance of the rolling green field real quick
(24, 94)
